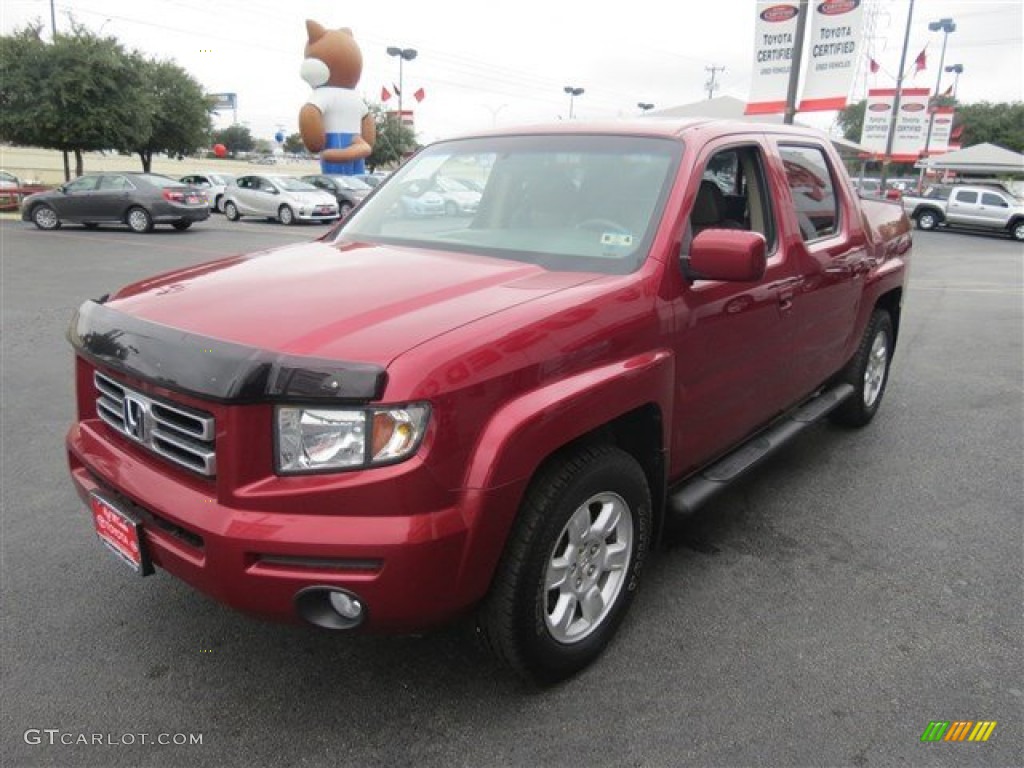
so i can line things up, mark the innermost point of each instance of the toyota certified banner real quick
(832, 53)
(942, 127)
(774, 37)
(911, 126)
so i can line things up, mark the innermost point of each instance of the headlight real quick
(323, 439)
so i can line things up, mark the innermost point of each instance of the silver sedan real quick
(284, 198)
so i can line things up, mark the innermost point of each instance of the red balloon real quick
(220, 150)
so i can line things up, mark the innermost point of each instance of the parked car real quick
(213, 184)
(417, 199)
(459, 199)
(10, 197)
(968, 207)
(287, 199)
(139, 200)
(347, 190)
(372, 179)
(412, 419)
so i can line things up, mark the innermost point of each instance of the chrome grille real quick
(182, 436)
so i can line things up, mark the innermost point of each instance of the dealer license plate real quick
(121, 533)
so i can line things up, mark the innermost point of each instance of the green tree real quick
(293, 145)
(851, 120)
(1001, 124)
(236, 138)
(180, 112)
(79, 93)
(394, 139)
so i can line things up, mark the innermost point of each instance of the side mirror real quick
(730, 255)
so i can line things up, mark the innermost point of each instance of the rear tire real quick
(181, 226)
(90, 224)
(927, 220)
(1017, 230)
(286, 215)
(868, 373)
(44, 217)
(571, 565)
(139, 220)
(231, 211)
(218, 203)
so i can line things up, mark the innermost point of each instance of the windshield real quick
(566, 202)
(293, 185)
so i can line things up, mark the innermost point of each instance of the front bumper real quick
(410, 570)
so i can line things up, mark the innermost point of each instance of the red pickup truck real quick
(419, 416)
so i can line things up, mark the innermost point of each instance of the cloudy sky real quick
(507, 61)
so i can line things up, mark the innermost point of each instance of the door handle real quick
(785, 301)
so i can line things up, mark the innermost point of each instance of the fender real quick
(528, 429)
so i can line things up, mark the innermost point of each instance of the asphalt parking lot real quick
(823, 612)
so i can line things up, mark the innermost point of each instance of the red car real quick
(416, 417)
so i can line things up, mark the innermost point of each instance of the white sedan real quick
(284, 198)
(214, 184)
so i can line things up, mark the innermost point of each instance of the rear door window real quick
(811, 184)
(988, 198)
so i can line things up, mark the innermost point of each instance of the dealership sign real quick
(911, 123)
(834, 32)
(942, 127)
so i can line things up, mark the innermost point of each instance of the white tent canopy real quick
(981, 158)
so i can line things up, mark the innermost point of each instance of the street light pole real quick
(403, 54)
(947, 26)
(887, 158)
(573, 93)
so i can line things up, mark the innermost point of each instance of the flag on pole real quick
(396, 89)
(873, 65)
(419, 95)
(920, 61)
(948, 92)
(385, 94)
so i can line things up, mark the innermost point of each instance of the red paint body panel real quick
(515, 361)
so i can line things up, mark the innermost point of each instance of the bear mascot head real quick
(335, 121)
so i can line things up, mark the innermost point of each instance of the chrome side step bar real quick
(699, 489)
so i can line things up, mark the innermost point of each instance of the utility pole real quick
(711, 85)
(887, 158)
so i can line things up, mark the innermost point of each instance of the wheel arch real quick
(892, 302)
(541, 427)
(939, 215)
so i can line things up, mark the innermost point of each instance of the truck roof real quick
(668, 127)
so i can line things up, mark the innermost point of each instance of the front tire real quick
(181, 226)
(927, 220)
(1017, 230)
(286, 215)
(217, 203)
(571, 566)
(231, 211)
(139, 220)
(44, 217)
(868, 373)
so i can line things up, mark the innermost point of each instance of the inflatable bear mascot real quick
(335, 121)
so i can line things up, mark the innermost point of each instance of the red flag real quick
(385, 94)
(873, 65)
(948, 92)
(419, 95)
(920, 61)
